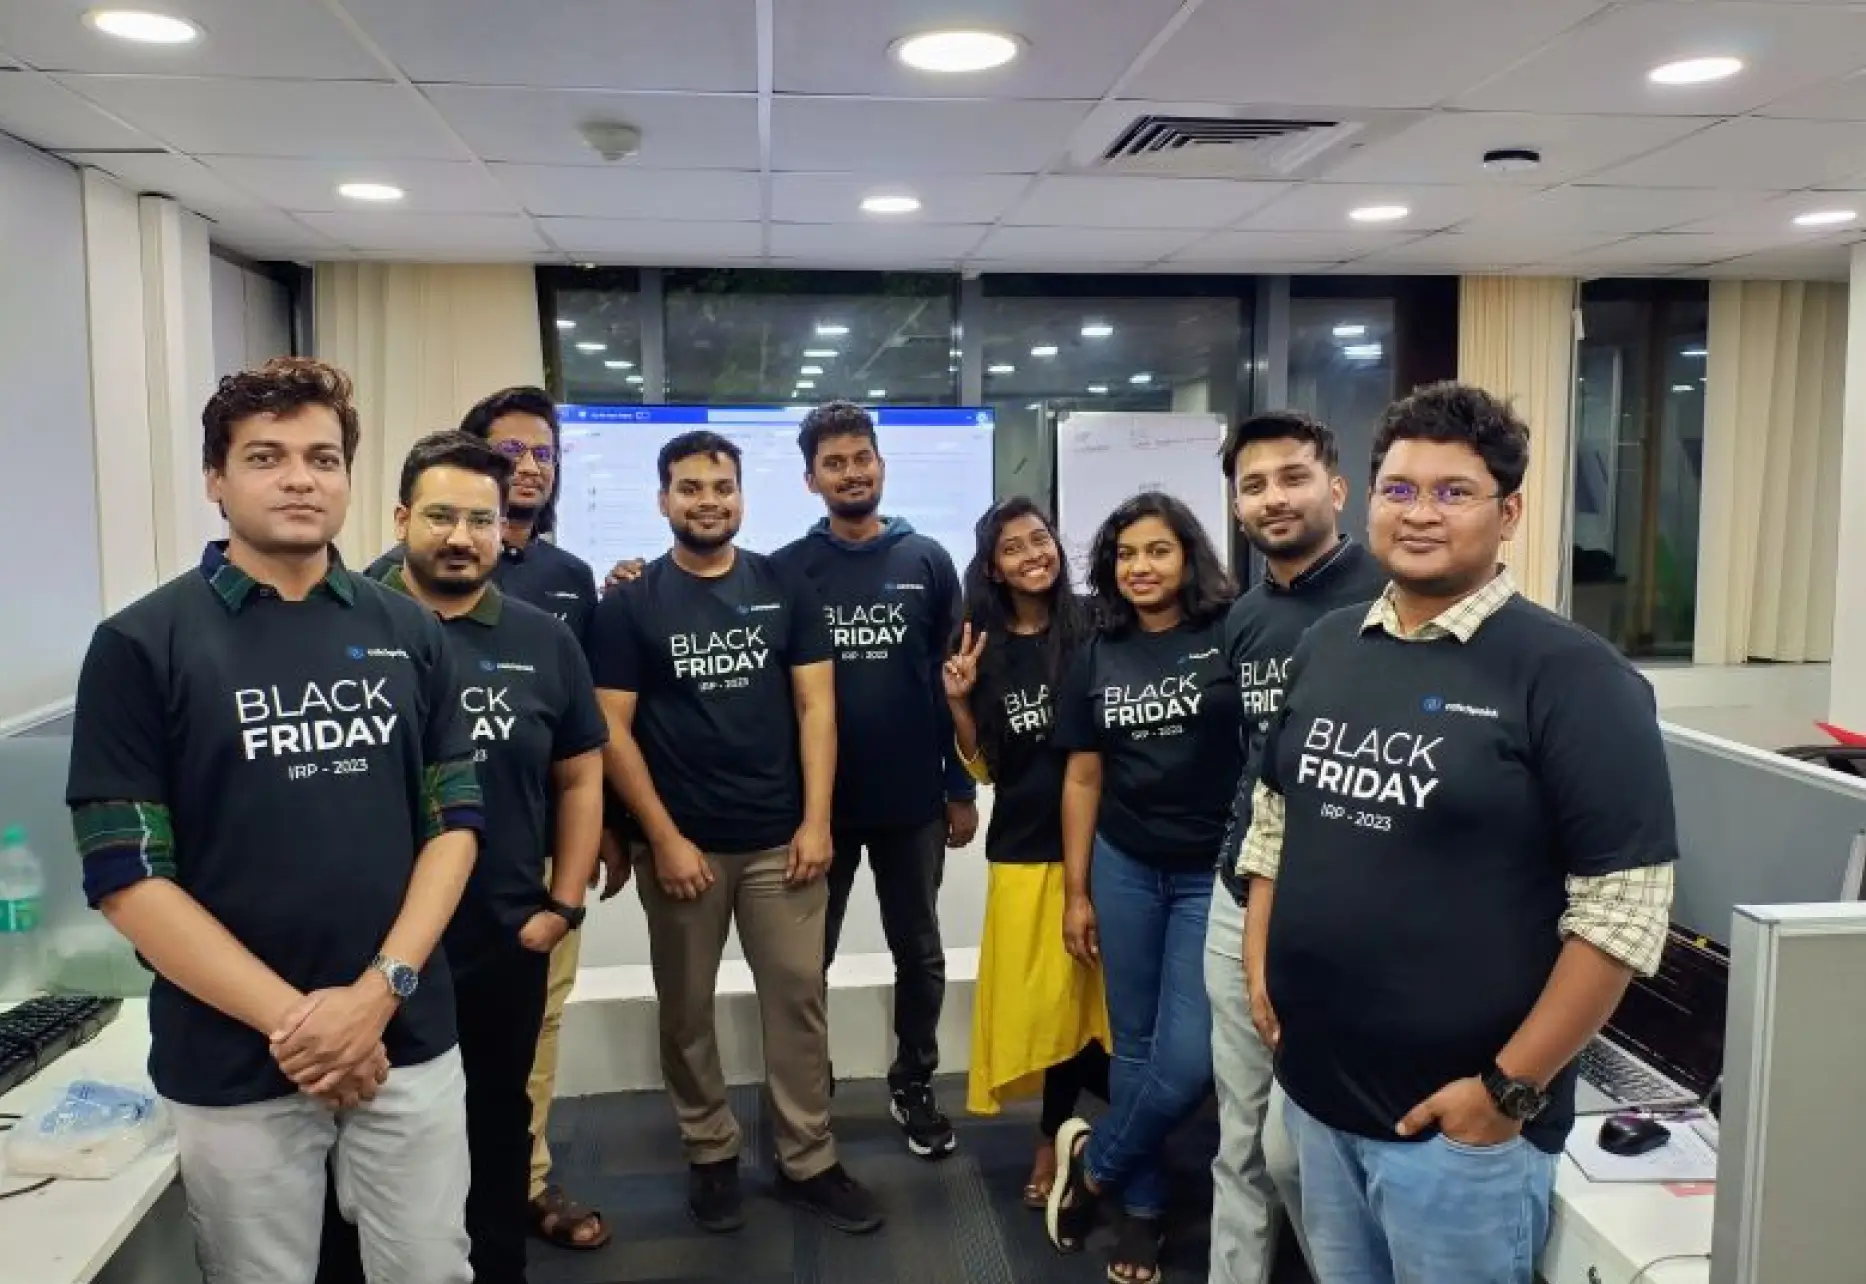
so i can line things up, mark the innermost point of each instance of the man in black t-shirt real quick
(525, 690)
(274, 796)
(1287, 492)
(1460, 851)
(713, 667)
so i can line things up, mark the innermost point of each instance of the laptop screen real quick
(1675, 1020)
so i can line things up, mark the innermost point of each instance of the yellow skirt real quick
(1035, 1007)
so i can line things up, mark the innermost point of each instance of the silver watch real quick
(403, 980)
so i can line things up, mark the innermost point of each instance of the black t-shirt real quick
(1027, 776)
(891, 604)
(710, 661)
(1438, 795)
(540, 574)
(288, 742)
(528, 702)
(1261, 634)
(1162, 711)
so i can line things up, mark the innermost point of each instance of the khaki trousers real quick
(543, 1082)
(781, 930)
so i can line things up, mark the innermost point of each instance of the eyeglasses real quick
(1450, 495)
(444, 521)
(514, 449)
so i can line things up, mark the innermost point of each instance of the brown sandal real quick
(1042, 1177)
(557, 1219)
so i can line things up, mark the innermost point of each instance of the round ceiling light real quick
(370, 192)
(956, 52)
(143, 27)
(1512, 160)
(890, 204)
(1694, 71)
(1825, 218)
(1379, 213)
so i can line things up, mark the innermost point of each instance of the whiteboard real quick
(1105, 457)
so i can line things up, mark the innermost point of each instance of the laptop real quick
(1663, 1047)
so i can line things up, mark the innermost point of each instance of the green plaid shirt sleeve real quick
(450, 798)
(122, 843)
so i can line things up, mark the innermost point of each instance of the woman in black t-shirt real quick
(1039, 1019)
(1151, 721)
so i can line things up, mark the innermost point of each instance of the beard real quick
(854, 509)
(523, 514)
(444, 582)
(1308, 537)
(697, 542)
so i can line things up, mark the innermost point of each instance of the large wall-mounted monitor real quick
(939, 474)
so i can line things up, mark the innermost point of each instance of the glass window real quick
(593, 320)
(1342, 371)
(1639, 453)
(758, 338)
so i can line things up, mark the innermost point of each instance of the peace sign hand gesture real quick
(961, 669)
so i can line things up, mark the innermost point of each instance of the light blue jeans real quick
(1428, 1212)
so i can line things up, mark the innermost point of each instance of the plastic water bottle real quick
(22, 896)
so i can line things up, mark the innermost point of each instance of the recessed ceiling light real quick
(591, 345)
(1099, 389)
(1694, 352)
(565, 323)
(370, 192)
(1350, 331)
(1362, 352)
(806, 383)
(1825, 218)
(1001, 368)
(1694, 71)
(634, 379)
(1142, 377)
(831, 329)
(877, 392)
(1097, 330)
(1512, 160)
(620, 365)
(890, 204)
(1378, 213)
(811, 370)
(1684, 387)
(143, 27)
(955, 52)
(821, 354)
(1043, 350)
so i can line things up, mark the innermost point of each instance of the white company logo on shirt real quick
(1438, 704)
(505, 666)
(375, 653)
(1198, 655)
(903, 586)
(760, 606)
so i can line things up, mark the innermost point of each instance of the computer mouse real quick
(1628, 1135)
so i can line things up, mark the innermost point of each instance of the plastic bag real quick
(88, 1130)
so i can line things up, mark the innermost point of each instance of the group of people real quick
(1357, 838)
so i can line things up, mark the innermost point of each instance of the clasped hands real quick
(329, 1043)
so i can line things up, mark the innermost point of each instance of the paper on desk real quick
(1686, 1157)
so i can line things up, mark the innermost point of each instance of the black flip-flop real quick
(1137, 1248)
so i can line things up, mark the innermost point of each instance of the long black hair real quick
(989, 609)
(1207, 590)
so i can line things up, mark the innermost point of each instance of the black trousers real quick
(499, 1007)
(909, 865)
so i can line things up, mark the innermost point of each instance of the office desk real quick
(1605, 1233)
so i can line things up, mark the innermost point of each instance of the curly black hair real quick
(1459, 412)
(834, 419)
(1207, 590)
(524, 399)
(283, 386)
(1279, 425)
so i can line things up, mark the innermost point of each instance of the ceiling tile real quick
(586, 44)
(1829, 262)
(1752, 154)
(1373, 53)
(835, 47)
(1842, 99)
(1449, 147)
(837, 198)
(1776, 218)
(1676, 249)
(1327, 205)
(1602, 66)
(1496, 248)
(1071, 201)
(870, 136)
(1081, 245)
(1181, 267)
(906, 245)
(249, 38)
(265, 234)
(1287, 247)
(331, 119)
(1624, 210)
(654, 240)
(47, 115)
(429, 236)
(181, 177)
(539, 126)
(432, 187)
(624, 192)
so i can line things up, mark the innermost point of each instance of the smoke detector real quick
(1512, 160)
(612, 139)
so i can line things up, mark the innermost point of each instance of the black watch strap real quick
(571, 914)
(1518, 1099)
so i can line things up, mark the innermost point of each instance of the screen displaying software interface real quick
(939, 475)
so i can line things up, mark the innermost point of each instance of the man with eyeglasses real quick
(1460, 851)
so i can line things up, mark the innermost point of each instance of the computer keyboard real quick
(41, 1030)
(1620, 1077)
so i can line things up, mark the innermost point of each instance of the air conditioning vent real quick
(1234, 146)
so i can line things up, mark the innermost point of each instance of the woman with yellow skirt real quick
(1039, 1020)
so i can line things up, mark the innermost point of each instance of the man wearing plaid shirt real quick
(1461, 850)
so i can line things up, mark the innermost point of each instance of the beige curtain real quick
(423, 342)
(1516, 339)
(1769, 519)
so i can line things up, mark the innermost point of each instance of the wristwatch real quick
(403, 980)
(571, 914)
(1518, 1099)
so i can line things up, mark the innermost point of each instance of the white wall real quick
(252, 317)
(50, 585)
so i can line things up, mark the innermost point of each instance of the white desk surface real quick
(66, 1233)
(1606, 1232)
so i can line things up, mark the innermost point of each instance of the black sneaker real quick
(836, 1197)
(928, 1132)
(713, 1198)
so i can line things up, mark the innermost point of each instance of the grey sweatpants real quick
(254, 1176)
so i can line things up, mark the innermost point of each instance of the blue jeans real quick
(1152, 927)
(1426, 1212)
